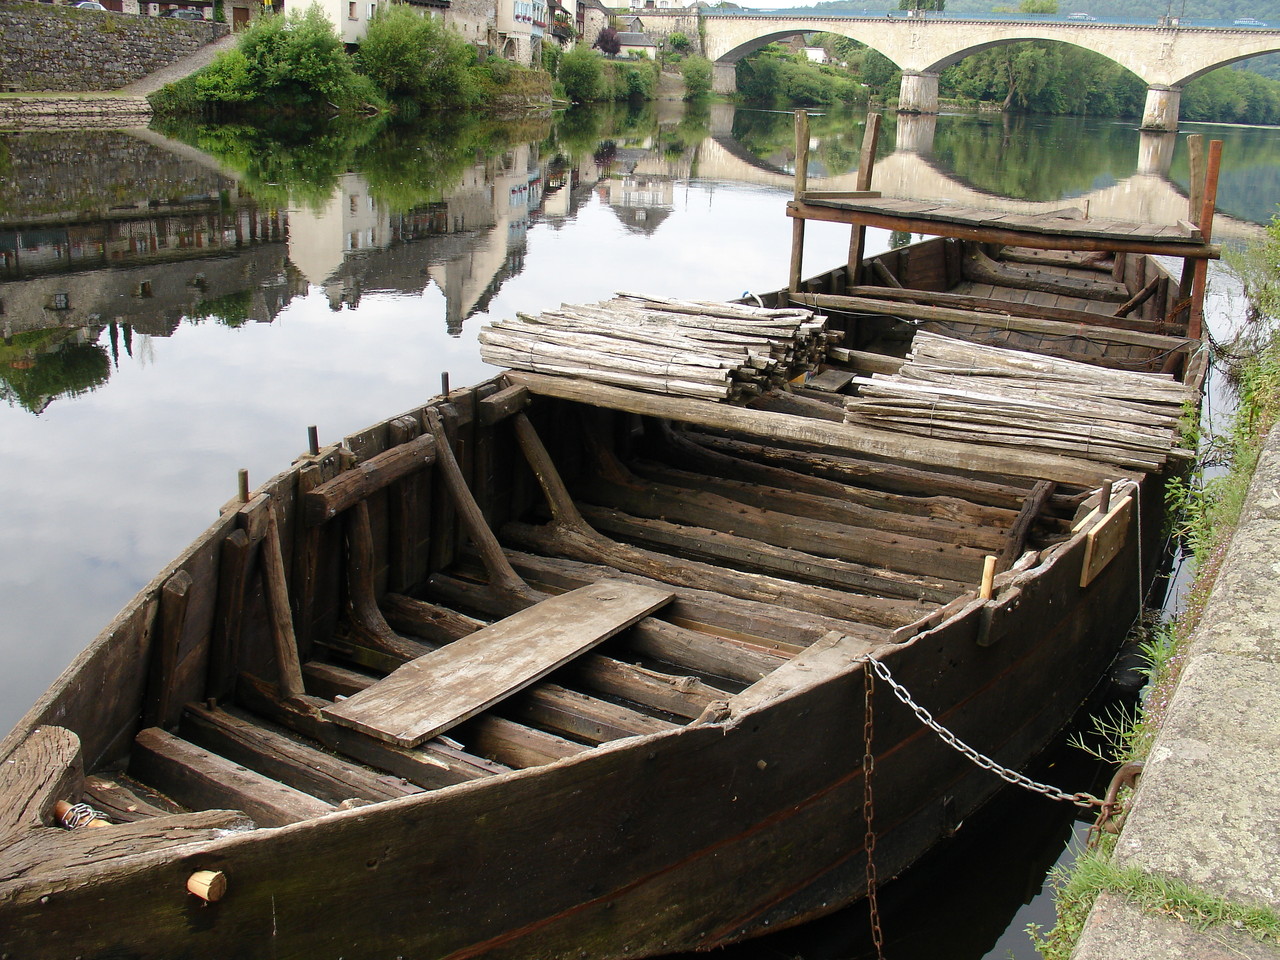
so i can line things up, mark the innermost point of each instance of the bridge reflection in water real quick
(910, 172)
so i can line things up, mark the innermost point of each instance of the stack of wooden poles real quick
(694, 348)
(966, 391)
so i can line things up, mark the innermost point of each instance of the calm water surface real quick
(180, 304)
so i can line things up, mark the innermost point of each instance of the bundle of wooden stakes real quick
(993, 395)
(692, 348)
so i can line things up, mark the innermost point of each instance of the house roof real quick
(635, 40)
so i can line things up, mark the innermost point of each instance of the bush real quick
(679, 43)
(417, 57)
(697, 77)
(297, 58)
(551, 54)
(630, 79)
(581, 72)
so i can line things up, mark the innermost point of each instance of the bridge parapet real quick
(1164, 57)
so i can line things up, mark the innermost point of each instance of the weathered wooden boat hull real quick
(747, 819)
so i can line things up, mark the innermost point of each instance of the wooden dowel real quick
(444, 383)
(988, 577)
(243, 480)
(313, 440)
(1104, 497)
(209, 885)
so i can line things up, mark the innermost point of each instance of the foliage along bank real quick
(407, 63)
(1209, 510)
(295, 64)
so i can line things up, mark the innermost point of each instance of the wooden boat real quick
(554, 667)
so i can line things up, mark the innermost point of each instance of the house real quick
(637, 44)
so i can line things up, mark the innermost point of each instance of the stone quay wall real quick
(62, 48)
(661, 24)
(71, 113)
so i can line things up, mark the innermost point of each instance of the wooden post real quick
(1195, 200)
(802, 184)
(1200, 278)
(243, 481)
(160, 708)
(1195, 162)
(866, 165)
(224, 652)
(313, 440)
(501, 573)
(276, 584)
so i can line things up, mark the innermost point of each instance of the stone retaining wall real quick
(661, 24)
(48, 47)
(71, 113)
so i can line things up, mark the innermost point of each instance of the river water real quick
(177, 305)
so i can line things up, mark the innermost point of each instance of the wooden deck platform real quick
(1063, 230)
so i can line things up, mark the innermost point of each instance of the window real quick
(373, 8)
(352, 10)
(61, 301)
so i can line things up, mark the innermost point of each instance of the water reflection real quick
(141, 232)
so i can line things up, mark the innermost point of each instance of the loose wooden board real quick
(1106, 539)
(447, 686)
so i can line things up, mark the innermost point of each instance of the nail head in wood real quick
(208, 885)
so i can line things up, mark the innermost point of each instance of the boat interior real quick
(277, 683)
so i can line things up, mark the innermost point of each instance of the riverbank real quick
(1206, 813)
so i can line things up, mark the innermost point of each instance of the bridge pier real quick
(1161, 111)
(918, 93)
(724, 78)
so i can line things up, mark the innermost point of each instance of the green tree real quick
(678, 42)
(697, 77)
(417, 57)
(1038, 6)
(581, 73)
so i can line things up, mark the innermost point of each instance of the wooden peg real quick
(313, 440)
(988, 577)
(73, 816)
(208, 885)
(244, 486)
(444, 384)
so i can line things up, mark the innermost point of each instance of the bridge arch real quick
(1163, 57)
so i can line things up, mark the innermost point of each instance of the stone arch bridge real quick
(1163, 57)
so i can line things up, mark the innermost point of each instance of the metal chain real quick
(79, 814)
(868, 813)
(1004, 773)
